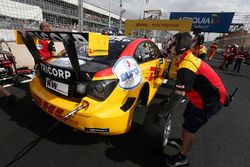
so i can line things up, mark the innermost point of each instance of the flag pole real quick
(142, 4)
(109, 14)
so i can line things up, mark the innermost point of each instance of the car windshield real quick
(115, 49)
(93, 63)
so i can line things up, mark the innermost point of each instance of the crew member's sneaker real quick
(177, 160)
(175, 142)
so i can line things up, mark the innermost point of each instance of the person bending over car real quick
(202, 86)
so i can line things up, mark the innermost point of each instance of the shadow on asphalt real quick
(129, 146)
(215, 67)
(38, 122)
(234, 74)
(228, 72)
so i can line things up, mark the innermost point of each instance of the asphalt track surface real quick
(222, 142)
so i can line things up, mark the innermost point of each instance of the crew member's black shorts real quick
(195, 118)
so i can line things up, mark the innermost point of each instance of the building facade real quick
(63, 15)
(241, 38)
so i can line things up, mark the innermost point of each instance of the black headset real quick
(200, 39)
(183, 42)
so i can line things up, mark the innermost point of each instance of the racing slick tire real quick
(156, 129)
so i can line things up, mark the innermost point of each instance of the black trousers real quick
(237, 64)
(229, 61)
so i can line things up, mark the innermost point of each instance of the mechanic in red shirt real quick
(239, 58)
(198, 48)
(232, 53)
(202, 86)
(226, 54)
(46, 48)
(212, 51)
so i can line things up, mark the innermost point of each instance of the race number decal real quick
(128, 72)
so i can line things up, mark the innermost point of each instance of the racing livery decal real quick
(52, 109)
(60, 73)
(128, 72)
(155, 72)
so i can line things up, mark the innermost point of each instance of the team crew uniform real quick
(226, 54)
(45, 48)
(199, 51)
(239, 58)
(203, 88)
(212, 51)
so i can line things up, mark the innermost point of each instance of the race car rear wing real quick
(97, 44)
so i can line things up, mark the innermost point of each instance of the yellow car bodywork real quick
(103, 117)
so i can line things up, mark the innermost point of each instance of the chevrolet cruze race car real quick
(101, 78)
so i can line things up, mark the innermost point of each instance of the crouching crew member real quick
(202, 86)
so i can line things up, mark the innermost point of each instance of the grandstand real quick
(20, 15)
(61, 14)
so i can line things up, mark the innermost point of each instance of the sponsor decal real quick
(85, 58)
(58, 112)
(52, 109)
(128, 72)
(208, 22)
(155, 72)
(165, 25)
(94, 130)
(213, 19)
(59, 73)
(57, 86)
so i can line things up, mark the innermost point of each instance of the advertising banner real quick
(164, 25)
(206, 22)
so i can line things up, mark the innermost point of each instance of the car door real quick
(152, 65)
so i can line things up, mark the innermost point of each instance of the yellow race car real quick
(96, 91)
